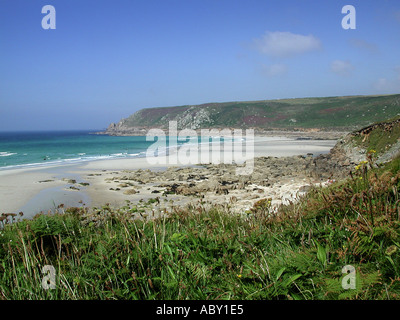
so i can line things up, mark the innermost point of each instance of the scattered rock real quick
(130, 191)
(280, 178)
(71, 181)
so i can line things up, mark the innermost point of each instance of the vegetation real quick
(297, 252)
(381, 138)
(343, 113)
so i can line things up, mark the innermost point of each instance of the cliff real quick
(303, 114)
(381, 138)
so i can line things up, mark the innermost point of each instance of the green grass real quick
(379, 139)
(198, 253)
(342, 113)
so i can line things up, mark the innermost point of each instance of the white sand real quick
(19, 185)
(21, 189)
(37, 189)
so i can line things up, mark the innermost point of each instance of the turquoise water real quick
(27, 149)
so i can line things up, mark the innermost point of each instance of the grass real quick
(338, 113)
(380, 139)
(200, 253)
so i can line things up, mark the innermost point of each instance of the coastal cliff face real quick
(140, 122)
(304, 115)
(382, 139)
(121, 129)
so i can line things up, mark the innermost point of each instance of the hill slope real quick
(338, 113)
(381, 138)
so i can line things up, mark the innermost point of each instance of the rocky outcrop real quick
(349, 150)
(122, 129)
(221, 179)
(385, 126)
(281, 179)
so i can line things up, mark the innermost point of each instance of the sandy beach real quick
(280, 171)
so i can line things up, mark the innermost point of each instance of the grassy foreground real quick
(197, 253)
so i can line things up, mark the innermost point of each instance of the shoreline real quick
(34, 190)
(271, 139)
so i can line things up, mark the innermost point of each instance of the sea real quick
(35, 149)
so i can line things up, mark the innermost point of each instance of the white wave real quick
(6, 154)
(74, 160)
(118, 154)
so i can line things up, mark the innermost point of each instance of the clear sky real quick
(107, 59)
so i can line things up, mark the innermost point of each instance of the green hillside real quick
(349, 113)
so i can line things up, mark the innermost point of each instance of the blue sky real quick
(107, 59)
